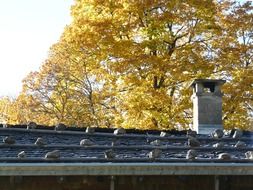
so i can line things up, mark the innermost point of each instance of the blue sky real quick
(27, 30)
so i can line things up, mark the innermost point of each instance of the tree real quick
(11, 111)
(234, 61)
(5, 104)
(167, 46)
(62, 90)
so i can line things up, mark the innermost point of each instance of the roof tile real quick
(134, 146)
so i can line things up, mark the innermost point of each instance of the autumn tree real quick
(149, 51)
(65, 89)
(129, 63)
(11, 111)
(234, 62)
(5, 104)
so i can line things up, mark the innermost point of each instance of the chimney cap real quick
(207, 82)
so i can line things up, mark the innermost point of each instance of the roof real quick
(106, 151)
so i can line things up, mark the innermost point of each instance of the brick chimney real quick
(207, 105)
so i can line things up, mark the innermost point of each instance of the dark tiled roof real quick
(105, 146)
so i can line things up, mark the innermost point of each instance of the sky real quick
(27, 30)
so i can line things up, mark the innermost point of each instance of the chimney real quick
(207, 105)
